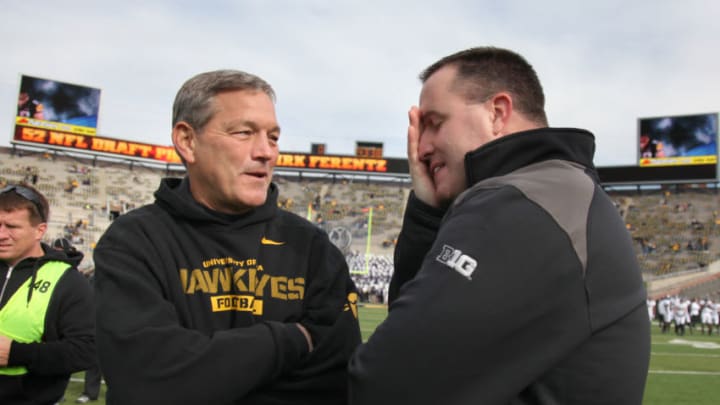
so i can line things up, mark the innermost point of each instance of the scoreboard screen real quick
(369, 149)
(678, 140)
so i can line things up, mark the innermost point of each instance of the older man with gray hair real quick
(212, 294)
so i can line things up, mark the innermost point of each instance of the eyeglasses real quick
(29, 195)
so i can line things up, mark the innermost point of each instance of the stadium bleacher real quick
(676, 230)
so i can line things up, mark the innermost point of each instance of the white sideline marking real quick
(683, 354)
(684, 372)
(696, 344)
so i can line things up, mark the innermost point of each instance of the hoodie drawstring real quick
(31, 287)
(7, 279)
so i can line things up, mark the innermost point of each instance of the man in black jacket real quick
(212, 294)
(515, 279)
(47, 329)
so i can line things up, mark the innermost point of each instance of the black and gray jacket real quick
(525, 291)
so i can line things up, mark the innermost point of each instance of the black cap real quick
(62, 244)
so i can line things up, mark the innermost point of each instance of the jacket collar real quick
(514, 151)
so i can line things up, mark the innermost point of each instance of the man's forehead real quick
(244, 106)
(240, 107)
(429, 99)
(436, 103)
(18, 213)
(443, 78)
(439, 85)
(245, 97)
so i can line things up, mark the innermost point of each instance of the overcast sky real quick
(346, 71)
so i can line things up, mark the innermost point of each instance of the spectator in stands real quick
(70, 185)
(319, 220)
(213, 282)
(489, 218)
(47, 331)
(647, 246)
(74, 256)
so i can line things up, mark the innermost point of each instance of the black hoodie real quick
(68, 342)
(198, 307)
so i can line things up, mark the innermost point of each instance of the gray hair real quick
(194, 101)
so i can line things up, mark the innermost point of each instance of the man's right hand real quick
(422, 181)
(5, 343)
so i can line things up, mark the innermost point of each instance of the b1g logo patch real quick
(456, 260)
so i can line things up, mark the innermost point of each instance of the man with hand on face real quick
(47, 329)
(504, 206)
(212, 294)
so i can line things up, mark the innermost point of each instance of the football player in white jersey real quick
(706, 316)
(680, 315)
(694, 314)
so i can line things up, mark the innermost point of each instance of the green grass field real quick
(683, 369)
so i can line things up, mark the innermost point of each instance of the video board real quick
(683, 140)
(58, 106)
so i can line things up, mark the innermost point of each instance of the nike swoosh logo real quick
(266, 241)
